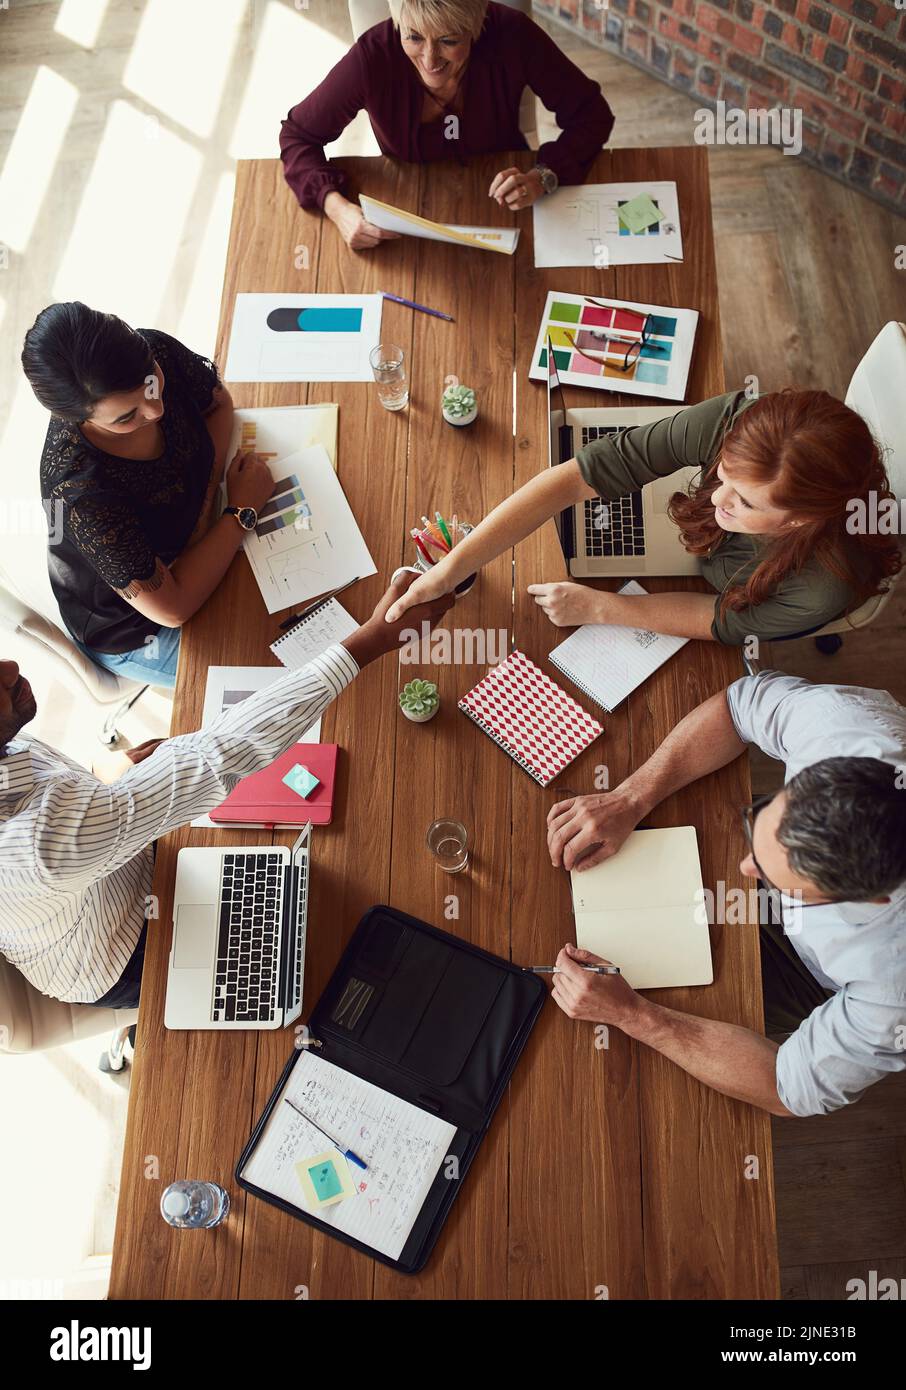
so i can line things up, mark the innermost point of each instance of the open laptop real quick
(645, 910)
(627, 535)
(238, 952)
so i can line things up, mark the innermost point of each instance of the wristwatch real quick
(246, 516)
(549, 181)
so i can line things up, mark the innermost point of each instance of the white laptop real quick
(628, 535)
(239, 920)
(644, 910)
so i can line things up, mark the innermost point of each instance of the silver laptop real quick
(626, 535)
(239, 920)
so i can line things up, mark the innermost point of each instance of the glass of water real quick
(389, 367)
(448, 841)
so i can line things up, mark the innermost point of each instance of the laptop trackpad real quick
(193, 948)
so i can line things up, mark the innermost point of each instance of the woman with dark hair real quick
(132, 466)
(780, 479)
(442, 80)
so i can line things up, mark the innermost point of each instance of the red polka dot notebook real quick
(530, 717)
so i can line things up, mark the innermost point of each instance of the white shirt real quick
(856, 949)
(76, 856)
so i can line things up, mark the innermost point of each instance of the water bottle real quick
(193, 1205)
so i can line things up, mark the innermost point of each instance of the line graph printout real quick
(402, 1145)
(307, 541)
(581, 226)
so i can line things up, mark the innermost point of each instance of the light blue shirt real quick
(858, 950)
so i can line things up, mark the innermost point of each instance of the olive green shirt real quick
(628, 459)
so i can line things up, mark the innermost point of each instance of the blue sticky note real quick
(325, 1180)
(301, 781)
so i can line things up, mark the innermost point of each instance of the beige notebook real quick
(644, 910)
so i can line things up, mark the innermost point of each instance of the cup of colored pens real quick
(435, 539)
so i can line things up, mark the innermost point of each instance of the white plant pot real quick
(420, 718)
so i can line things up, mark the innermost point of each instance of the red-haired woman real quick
(780, 476)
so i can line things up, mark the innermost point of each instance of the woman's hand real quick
(426, 589)
(349, 219)
(568, 605)
(516, 190)
(249, 481)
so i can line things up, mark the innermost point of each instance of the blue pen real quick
(422, 308)
(347, 1153)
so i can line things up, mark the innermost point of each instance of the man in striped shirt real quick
(76, 856)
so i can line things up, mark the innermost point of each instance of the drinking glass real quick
(389, 367)
(448, 841)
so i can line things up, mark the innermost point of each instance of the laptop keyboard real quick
(612, 528)
(251, 915)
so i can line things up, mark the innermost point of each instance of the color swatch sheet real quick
(307, 541)
(393, 219)
(530, 717)
(284, 429)
(582, 226)
(402, 1145)
(591, 340)
(303, 337)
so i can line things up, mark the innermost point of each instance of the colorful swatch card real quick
(530, 717)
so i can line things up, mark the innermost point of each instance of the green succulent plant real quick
(419, 697)
(458, 401)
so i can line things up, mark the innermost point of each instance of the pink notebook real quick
(530, 717)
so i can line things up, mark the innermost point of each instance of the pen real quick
(434, 533)
(454, 526)
(430, 539)
(347, 1153)
(422, 308)
(420, 545)
(297, 617)
(592, 969)
(442, 526)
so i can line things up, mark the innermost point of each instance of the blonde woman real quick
(430, 61)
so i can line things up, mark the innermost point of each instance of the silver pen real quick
(592, 969)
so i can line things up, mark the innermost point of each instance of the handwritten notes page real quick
(314, 634)
(402, 1145)
(609, 662)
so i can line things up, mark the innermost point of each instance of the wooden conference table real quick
(603, 1169)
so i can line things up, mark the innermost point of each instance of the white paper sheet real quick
(259, 352)
(609, 662)
(392, 219)
(228, 686)
(293, 564)
(580, 226)
(314, 634)
(402, 1145)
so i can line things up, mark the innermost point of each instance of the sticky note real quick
(639, 212)
(325, 1179)
(301, 781)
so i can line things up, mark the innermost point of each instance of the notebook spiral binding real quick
(580, 685)
(501, 743)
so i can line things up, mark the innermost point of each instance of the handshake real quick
(380, 634)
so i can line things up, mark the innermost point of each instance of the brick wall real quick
(842, 63)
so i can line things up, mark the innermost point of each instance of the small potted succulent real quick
(459, 405)
(419, 701)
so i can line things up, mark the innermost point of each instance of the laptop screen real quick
(564, 521)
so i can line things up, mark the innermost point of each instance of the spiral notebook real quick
(530, 717)
(608, 662)
(310, 636)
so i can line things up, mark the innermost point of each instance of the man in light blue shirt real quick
(833, 841)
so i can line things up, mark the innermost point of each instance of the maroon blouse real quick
(511, 53)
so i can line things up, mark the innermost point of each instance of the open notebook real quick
(608, 662)
(644, 910)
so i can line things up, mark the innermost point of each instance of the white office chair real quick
(31, 1022)
(103, 686)
(877, 391)
(364, 14)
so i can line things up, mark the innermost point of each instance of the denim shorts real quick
(151, 664)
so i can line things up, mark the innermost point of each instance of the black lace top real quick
(116, 517)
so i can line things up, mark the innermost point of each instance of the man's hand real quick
(568, 605)
(377, 636)
(141, 751)
(424, 589)
(586, 830)
(589, 997)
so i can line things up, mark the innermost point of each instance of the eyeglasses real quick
(775, 894)
(633, 345)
